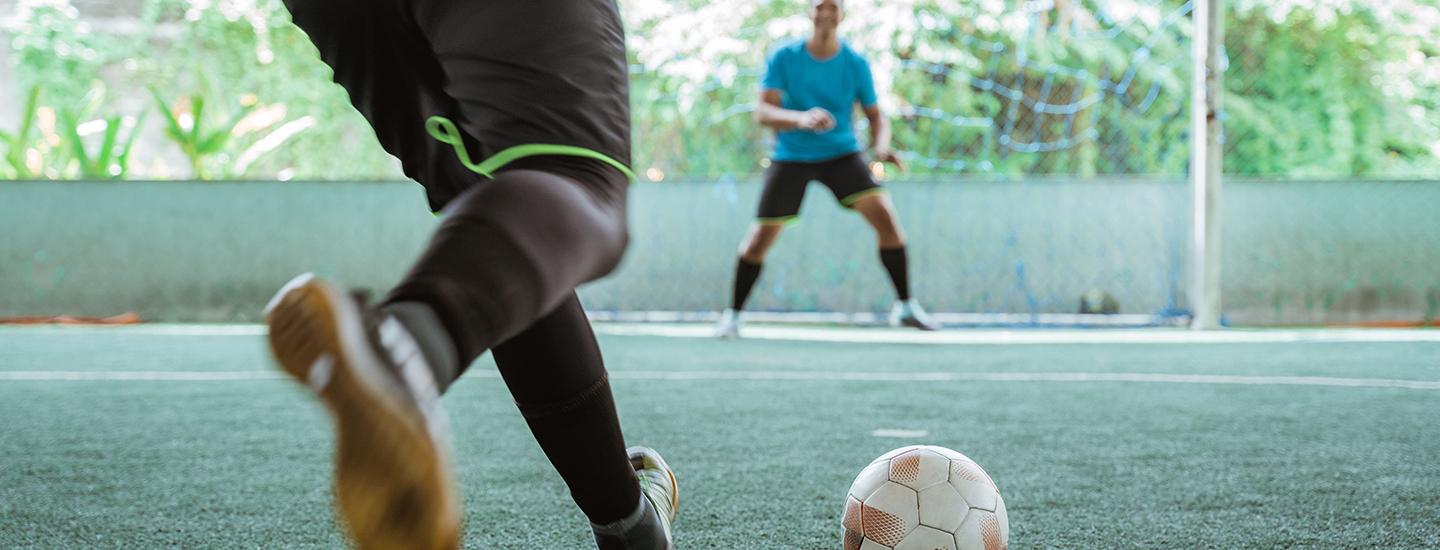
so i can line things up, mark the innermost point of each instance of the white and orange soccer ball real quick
(924, 497)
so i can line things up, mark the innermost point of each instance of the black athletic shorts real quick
(513, 79)
(848, 177)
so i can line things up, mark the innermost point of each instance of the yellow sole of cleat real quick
(393, 484)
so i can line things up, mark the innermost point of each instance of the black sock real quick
(745, 275)
(557, 377)
(581, 437)
(432, 337)
(895, 263)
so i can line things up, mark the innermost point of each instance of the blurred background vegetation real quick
(229, 89)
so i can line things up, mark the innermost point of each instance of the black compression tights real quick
(500, 274)
(512, 249)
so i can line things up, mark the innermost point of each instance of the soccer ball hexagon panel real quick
(924, 497)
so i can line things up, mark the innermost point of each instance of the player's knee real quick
(573, 220)
(887, 232)
(891, 233)
(752, 253)
(757, 243)
(612, 246)
(891, 237)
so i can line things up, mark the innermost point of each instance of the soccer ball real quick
(924, 497)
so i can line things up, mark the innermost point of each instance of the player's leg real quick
(511, 250)
(850, 180)
(564, 394)
(879, 212)
(757, 243)
(780, 199)
(758, 240)
(501, 270)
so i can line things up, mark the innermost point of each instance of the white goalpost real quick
(1205, 152)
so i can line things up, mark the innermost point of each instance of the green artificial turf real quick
(761, 463)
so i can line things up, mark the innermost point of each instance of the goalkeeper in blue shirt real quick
(808, 96)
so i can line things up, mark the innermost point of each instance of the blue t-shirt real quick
(834, 84)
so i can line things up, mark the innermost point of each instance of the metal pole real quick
(1205, 151)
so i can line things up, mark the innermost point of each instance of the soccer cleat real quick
(393, 484)
(729, 325)
(908, 313)
(657, 484)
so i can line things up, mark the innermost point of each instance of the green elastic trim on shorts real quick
(444, 131)
(782, 220)
(851, 199)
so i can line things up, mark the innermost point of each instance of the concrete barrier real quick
(1296, 253)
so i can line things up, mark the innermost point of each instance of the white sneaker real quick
(729, 325)
(908, 313)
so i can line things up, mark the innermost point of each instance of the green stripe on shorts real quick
(851, 199)
(444, 131)
(779, 220)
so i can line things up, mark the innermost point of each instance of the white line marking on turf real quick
(864, 335)
(796, 376)
(1032, 336)
(1029, 377)
(900, 434)
(143, 330)
(141, 376)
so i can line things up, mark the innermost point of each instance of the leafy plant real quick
(15, 165)
(112, 159)
(185, 126)
(217, 151)
(219, 48)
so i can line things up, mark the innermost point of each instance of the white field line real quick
(1033, 336)
(794, 376)
(873, 335)
(138, 330)
(1030, 377)
(139, 376)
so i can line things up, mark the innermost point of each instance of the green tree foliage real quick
(1326, 92)
(1333, 89)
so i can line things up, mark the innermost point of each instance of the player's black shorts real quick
(848, 178)
(516, 74)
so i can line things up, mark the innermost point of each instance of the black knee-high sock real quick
(896, 264)
(556, 375)
(745, 275)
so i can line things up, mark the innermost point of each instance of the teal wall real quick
(1295, 253)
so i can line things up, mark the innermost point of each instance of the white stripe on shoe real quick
(320, 373)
